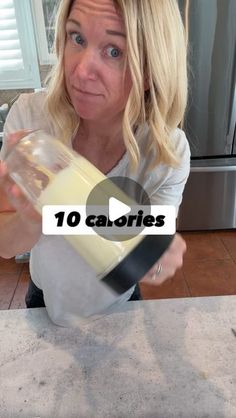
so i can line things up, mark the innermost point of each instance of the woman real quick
(116, 96)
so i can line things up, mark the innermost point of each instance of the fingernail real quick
(15, 190)
(29, 131)
(3, 169)
(15, 135)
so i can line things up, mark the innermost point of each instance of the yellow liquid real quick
(72, 186)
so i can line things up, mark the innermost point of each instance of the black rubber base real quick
(137, 263)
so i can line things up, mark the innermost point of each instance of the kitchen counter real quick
(163, 358)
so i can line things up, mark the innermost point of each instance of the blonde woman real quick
(117, 95)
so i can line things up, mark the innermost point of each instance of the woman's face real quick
(94, 60)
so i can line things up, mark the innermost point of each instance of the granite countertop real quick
(165, 358)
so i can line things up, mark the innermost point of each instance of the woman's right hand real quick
(12, 198)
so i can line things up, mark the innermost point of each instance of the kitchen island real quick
(163, 358)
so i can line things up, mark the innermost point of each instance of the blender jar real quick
(49, 173)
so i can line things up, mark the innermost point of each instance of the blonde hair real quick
(157, 58)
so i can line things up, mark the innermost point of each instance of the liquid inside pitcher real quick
(49, 173)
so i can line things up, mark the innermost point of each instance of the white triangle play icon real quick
(117, 209)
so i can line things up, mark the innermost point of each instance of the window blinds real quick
(18, 55)
(10, 48)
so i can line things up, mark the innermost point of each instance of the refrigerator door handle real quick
(213, 169)
(232, 123)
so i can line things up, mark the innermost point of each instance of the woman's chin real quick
(87, 114)
(87, 109)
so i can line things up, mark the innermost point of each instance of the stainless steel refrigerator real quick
(209, 200)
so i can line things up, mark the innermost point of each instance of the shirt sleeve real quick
(15, 121)
(28, 112)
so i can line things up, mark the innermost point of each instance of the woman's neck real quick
(108, 131)
(102, 146)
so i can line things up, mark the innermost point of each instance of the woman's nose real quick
(87, 65)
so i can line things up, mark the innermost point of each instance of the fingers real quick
(13, 138)
(4, 177)
(16, 199)
(172, 259)
(178, 244)
(170, 262)
(12, 191)
(5, 180)
(23, 206)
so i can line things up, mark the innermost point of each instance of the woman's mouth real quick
(88, 93)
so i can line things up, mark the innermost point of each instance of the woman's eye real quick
(77, 38)
(114, 52)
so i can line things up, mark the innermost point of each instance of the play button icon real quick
(117, 209)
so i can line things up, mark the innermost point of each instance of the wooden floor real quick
(209, 269)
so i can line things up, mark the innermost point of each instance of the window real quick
(18, 55)
(44, 12)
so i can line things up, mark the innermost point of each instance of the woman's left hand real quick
(168, 263)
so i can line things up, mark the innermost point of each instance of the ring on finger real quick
(157, 271)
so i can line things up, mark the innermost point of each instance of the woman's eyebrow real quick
(115, 32)
(108, 31)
